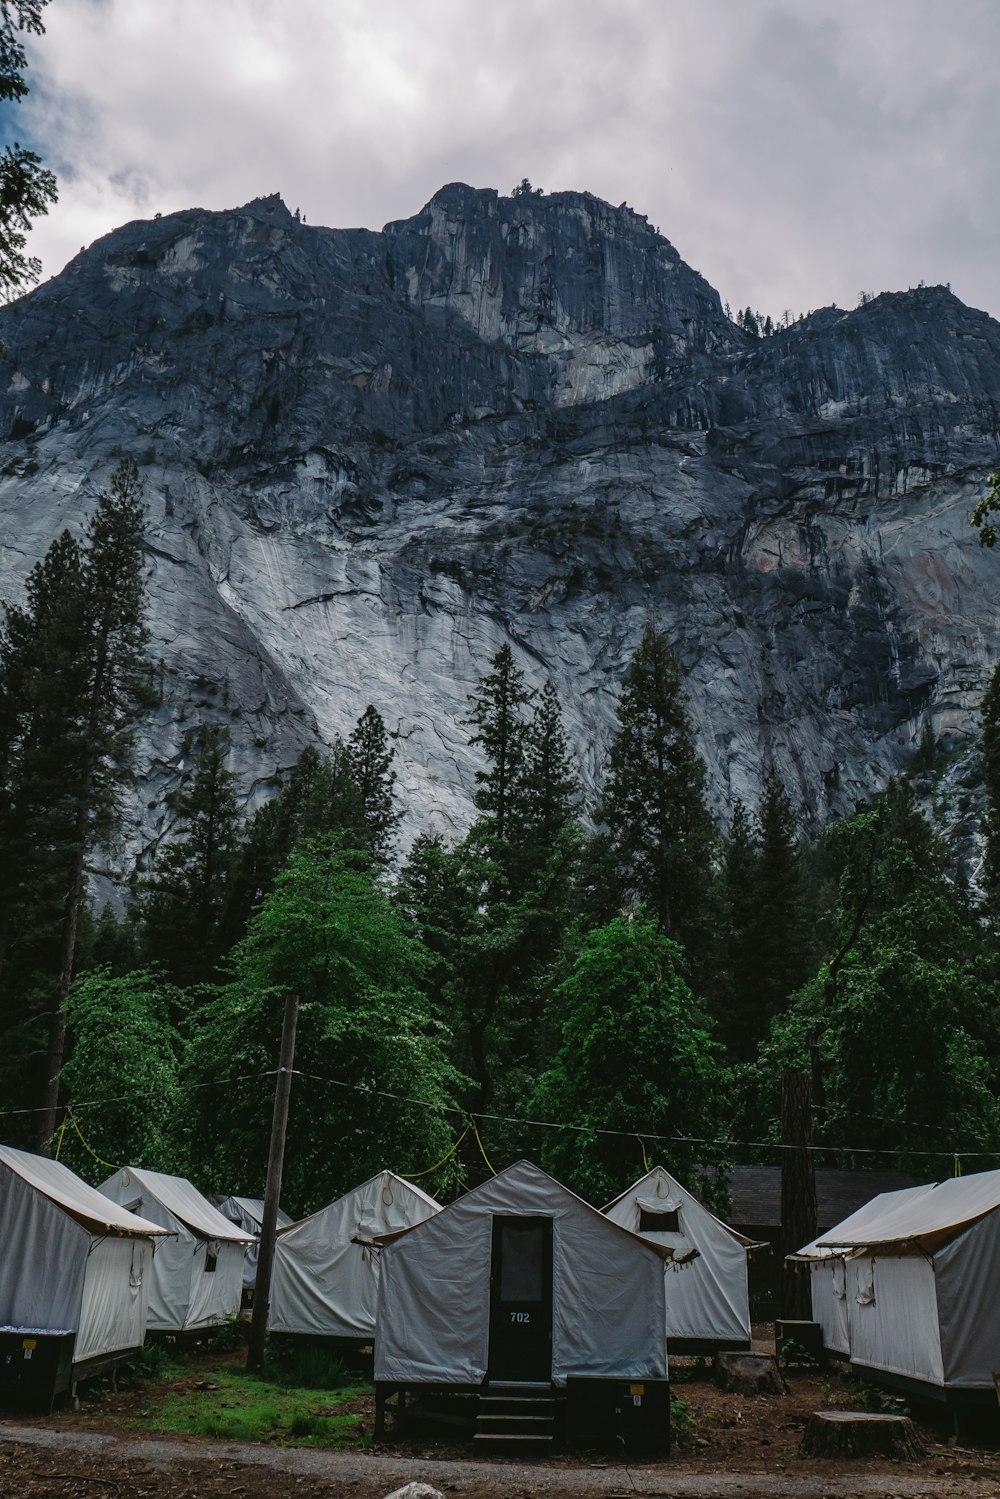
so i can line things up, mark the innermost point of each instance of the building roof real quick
(755, 1193)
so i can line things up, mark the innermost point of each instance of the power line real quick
(725, 1143)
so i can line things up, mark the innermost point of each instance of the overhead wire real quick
(725, 1143)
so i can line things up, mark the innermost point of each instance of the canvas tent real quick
(707, 1301)
(907, 1286)
(71, 1259)
(324, 1282)
(248, 1214)
(197, 1277)
(520, 1279)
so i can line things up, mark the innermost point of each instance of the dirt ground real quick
(725, 1444)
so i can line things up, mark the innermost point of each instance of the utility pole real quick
(798, 1192)
(275, 1165)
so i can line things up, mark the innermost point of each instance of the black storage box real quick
(625, 1415)
(798, 1342)
(36, 1364)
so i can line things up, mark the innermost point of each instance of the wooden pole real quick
(275, 1165)
(798, 1192)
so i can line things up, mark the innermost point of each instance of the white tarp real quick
(708, 1299)
(197, 1277)
(919, 1270)
(921, 1214)
(324, 1281)
(248, 1214)
(608, 1289)
(892, 1307)
(71, 1260)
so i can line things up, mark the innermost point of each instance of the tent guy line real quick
(473, 1114)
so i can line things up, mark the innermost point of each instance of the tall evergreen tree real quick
(654, 794)
(989, 726)
(319, 796)
(76, 680)
(370, 759)
(496, 714)
(548, 793)
(185, 899)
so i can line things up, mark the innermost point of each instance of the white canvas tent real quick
(248, 1214)
(71, 1260)
(907, 1286)
(437, 1320)
(197, 1277)
(708, 1301)
(324, 1282)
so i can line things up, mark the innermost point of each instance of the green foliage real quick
(370, 760)
(26, 187)
(661, 836)
(901, 1019)
(683, 1422)
(634, 1054)
(245, 1407)
(124, 1051)
(985, 510)
(329, 932)
(74, 683)
(309, 1367)
(184, 903)
(319, 796)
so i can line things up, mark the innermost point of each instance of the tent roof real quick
(188, 1206)
(856, 1223)
(380, 1176)
(90, 1208)
(925, 1215)
(639, 1190)
(663, 1252)
(252, 1208)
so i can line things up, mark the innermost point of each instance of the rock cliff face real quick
(372, 458)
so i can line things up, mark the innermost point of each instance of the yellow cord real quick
(99, 1159)
(645, 1157)
(481, 1146)
(958, 1166)
(415, 1175)
(62, 1131)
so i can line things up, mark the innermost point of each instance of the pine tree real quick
(370, 760)
(185, 899)
(549, 789)
(783, 955)
(989, 721)
(75, 682)
(497, 716)
(739, 879)
(319, 796)
(654, 795)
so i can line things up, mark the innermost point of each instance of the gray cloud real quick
(795, 153)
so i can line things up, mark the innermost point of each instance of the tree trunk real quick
(798, 1192)
(840, 1434)
(57, 1020)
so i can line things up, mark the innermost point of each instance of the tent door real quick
(521, 1299)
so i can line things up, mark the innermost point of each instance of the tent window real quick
(521, 1261)
(667, 1222)
(211, 1260)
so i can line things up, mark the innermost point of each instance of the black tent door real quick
(521, 1299)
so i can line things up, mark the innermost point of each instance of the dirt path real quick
(39, 1463)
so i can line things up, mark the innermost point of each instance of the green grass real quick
(251, 1408)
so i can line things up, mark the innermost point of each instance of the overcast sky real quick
(795, 153)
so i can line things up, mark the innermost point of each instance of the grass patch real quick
(234, 1404)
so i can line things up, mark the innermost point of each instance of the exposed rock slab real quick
(372, 458)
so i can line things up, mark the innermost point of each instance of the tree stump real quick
(749, 1374)
(860, 1434)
